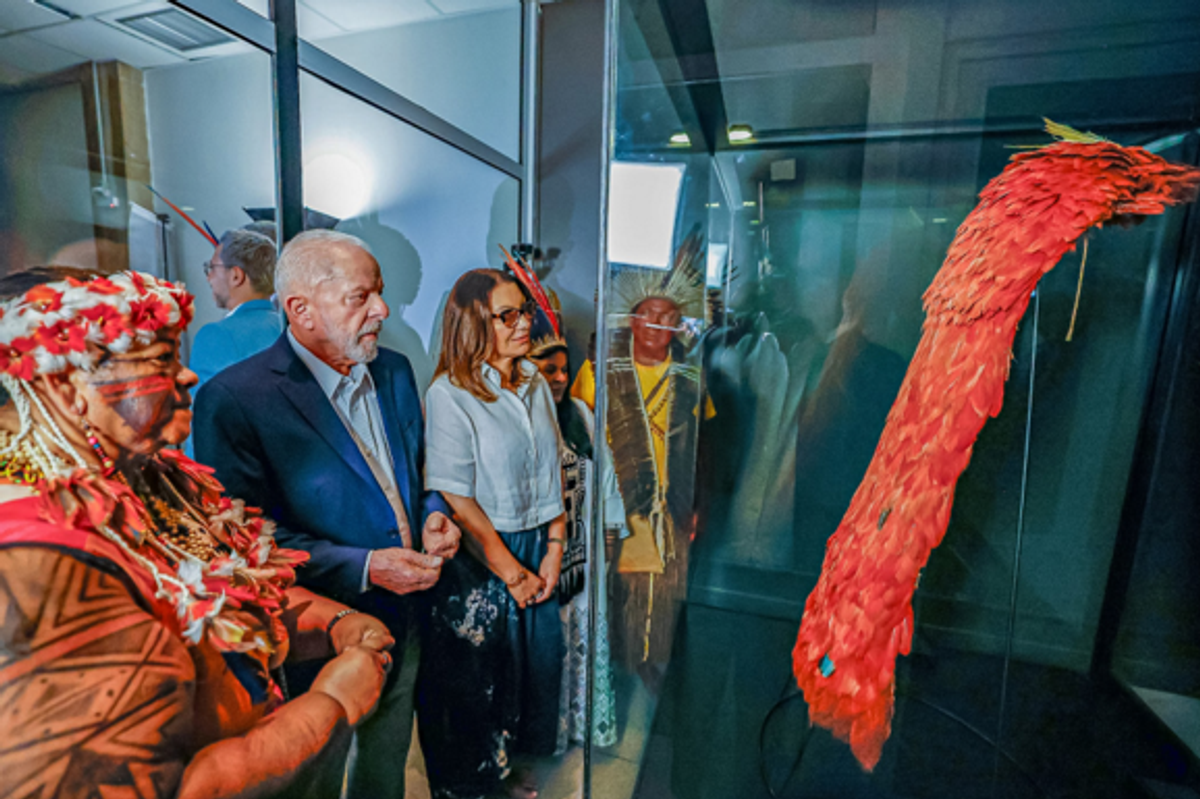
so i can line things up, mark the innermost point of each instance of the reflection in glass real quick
(836, 215)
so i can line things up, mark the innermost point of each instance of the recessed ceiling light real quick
(680, 139)
(740, 134)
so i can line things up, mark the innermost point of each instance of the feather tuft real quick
(1063, 132)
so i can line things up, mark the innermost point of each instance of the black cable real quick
(904, 693)
(762, 739)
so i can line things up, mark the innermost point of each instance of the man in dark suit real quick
(323, 431)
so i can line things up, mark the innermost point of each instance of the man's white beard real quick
(359, 351)
(363, 351)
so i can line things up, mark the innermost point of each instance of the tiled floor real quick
(614, 770)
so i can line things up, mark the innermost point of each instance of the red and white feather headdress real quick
(47, 329)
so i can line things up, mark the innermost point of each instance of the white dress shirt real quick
(504, 454)
(353, 397)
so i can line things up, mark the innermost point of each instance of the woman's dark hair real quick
(467, 335)
(571, 423)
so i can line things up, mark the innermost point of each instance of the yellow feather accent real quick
(1067, 133)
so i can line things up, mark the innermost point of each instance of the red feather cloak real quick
(859, 616)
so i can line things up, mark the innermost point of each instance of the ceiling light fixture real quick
(740, 134)
(680, 139)
(55, 8)
(175, 29)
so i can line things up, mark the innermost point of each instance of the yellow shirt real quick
(658, 411)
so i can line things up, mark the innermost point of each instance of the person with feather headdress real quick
(653, 417)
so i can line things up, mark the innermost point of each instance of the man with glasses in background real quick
(241, 275)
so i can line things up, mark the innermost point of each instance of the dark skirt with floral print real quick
(490, 677)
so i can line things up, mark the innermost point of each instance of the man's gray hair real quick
(255, 254)
(305, 260)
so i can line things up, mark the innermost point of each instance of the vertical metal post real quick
(596, 581)
(531, 13)
(289, 192)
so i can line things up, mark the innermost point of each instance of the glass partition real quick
(212, 142)
(830, 154)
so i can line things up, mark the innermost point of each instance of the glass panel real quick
(429, 211)
(459, 59)
(92, 114)
(841, 147)
(1155, 644)
(208, 170)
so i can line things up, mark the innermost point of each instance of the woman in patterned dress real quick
(492, 656)
(575, 424)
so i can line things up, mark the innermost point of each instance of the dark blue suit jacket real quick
(276, 441)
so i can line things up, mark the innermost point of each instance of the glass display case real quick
(782, 180)
(807, 165)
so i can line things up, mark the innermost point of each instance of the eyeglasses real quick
(211, 265)
(509, 316)
(669, 319)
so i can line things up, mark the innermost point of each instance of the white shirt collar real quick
(329, 379)
(527, 367)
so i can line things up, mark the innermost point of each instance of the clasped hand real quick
(534, 589)
(354, 679)
(440, 536)
(403, 571)
(360, 629)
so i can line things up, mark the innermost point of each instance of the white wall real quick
(212, 148)
(465, 68)
(430, 212)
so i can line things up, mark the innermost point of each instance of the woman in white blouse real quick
(492, 655)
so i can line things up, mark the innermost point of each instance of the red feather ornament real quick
(529, 280)
(205, 231)
(859, 617)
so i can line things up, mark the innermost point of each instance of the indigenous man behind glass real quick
(653, 416)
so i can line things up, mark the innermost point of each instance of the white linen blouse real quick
(504, 454)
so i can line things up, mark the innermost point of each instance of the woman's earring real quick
(105, 462)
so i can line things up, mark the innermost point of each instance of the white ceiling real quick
(35, 40)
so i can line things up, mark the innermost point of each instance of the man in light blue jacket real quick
(241, 275)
